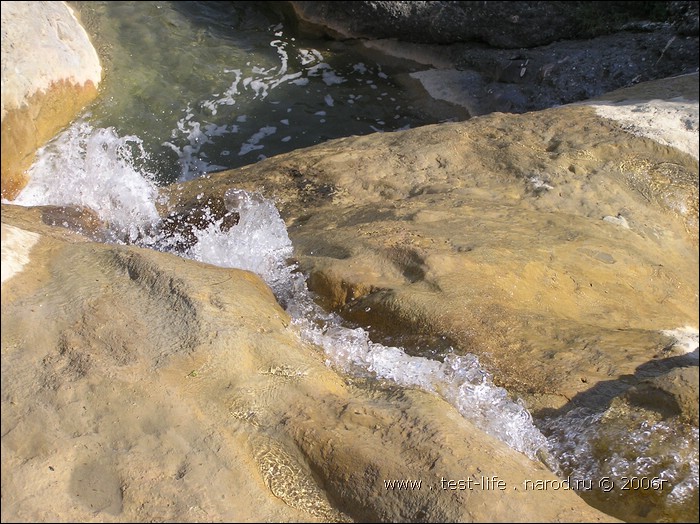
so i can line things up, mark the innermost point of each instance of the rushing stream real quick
(195, 87)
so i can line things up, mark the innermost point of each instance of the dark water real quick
(213, 85)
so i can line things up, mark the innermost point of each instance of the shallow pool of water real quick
(214, 85)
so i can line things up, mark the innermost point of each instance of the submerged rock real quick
(672, 394)
(180, 227)
(487, 57)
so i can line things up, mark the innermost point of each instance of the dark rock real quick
(684, 16)
(179, 228)
(573, 71)
(672, 394)
(499, 24)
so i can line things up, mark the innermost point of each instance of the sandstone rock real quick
(501, 234)
(673, 394)
(50, 71)
(652, 423)
(160, 388)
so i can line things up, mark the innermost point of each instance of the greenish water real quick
(214, 85)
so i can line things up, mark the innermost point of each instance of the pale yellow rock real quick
(50, 71)
(16, 246)
(492, 234)
(140, 386)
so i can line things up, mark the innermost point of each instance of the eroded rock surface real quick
(139, 385)
(561, 247)
(555, 245)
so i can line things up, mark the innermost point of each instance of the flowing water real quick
(195, 87)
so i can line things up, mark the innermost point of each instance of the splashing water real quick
(649, 464)
(259, 242)
(98, 170)
(460, 380)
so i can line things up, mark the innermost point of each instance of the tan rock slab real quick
(140, 386)
(555, 245)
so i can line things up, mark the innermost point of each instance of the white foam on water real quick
(253, 142)
(258, 243)
(686, 339)
(360, 68)
(309, 56)
(191, 165)
(254, 83)
(330, 77)
(95, 168)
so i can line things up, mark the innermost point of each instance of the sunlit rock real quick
(493, 233)
(50, 71)
(139, 386)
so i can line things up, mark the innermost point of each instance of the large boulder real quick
(498, 24)
(140, 386)
(559, 246)
(50, 71)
